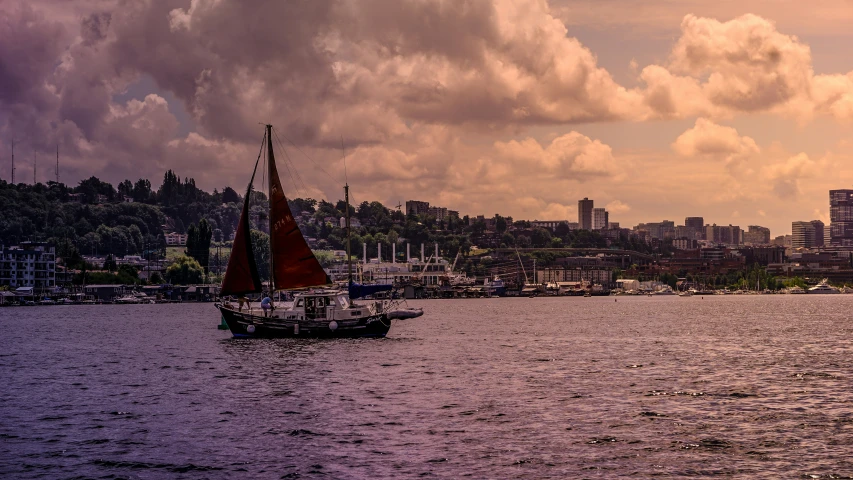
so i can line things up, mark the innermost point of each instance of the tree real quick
(142, 190)
(110, 263)
(230, 196)
(127, 274)
(500, 224)
(184, 271)
(261, 249)
(155, 279)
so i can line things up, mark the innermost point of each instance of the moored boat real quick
(823, 287)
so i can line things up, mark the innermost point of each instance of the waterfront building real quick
(585, 214)
(841, 217)
(757, 235)
(30, 264)
(599, 219)
(807, 234)
(416, 207)
(595, 275)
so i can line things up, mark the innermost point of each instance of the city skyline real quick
(736, 111)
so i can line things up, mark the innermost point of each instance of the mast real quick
(57, 163)
(13, 161)
(270, 158)
(349, 243)
(34, 167)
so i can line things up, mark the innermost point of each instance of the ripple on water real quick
(492, 388)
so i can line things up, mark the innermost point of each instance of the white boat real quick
(823, 287)
(795, 290)
(688, 293)
(128, 299)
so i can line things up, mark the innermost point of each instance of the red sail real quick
(241, 276)
(293, 263)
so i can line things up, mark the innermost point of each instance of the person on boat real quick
(243, 301)
(266, 304)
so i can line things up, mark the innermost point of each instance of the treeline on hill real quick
(96, 218)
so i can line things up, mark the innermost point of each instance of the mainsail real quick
(293, 264)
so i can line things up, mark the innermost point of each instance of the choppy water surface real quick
(736, 386)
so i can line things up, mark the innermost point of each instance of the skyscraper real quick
(585, 214)
(841, 217)
(807, 234)
(599, 219)
(695, 222)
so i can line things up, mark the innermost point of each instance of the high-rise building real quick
(807, 234)
(757, 235)
(585, 214)
(818, 233)
(841, 217)
(415, 207)
(695, 222)
(729, 235)
(599, 219)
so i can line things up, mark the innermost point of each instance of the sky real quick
(737, 111)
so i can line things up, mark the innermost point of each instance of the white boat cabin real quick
(326, 305)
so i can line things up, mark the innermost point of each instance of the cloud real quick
(785, 176)
(617, 206)
(710, 140)
(570, 156)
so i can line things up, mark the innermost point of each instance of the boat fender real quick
(250, 328)
(296, 329)
(333, 325)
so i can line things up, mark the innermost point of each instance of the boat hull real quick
(247, 325)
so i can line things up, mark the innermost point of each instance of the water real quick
(734, 386)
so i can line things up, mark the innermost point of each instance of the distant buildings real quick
(599, 219)
(841, 218)
(807, 234)
(549, 224)
(757, 235)
(175, 239)
(729, 235)
(585, 214)
(30, 264)
(416, 207)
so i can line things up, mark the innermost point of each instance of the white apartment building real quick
(175, 238)
(30, 264)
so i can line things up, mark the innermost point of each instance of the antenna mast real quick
(349, 230)
(57, 163)
(34, 167)
(13, 161)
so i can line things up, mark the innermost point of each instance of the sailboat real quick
(317, 311)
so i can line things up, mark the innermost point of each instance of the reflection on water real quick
(492, 388)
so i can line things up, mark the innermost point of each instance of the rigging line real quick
(290, 166)
(346, 176)
(311, 159)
